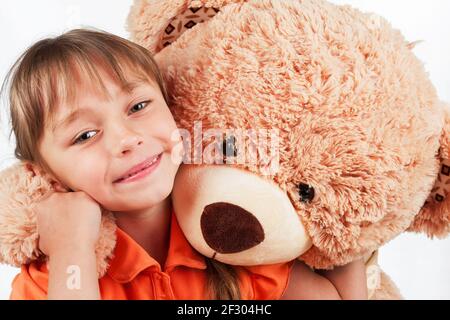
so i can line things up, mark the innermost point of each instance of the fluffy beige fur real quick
(357, 115)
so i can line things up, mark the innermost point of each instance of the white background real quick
(419, 266)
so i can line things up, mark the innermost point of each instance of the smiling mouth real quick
(148, 168)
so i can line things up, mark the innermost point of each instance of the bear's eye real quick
(229, 147)
(306, 192)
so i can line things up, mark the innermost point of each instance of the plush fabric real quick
(22, 185)
(357, 117)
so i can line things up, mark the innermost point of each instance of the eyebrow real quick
(131, 86)
(76, 114)
(72, 117)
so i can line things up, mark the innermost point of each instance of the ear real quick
(155, 24)
(434, 217)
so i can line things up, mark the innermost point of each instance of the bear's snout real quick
(228, 228)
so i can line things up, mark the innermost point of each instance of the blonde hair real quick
(222, 281)
(43, 77)
(45, 74)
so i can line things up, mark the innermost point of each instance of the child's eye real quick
(83, 137)
(140, 106)
(88, 134)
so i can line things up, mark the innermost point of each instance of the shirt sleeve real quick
(30, 284)
(269, 281)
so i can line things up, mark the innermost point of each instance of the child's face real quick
(110, 136)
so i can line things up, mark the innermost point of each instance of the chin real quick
(158, 193)
(138, 203)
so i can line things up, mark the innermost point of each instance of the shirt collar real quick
(130, 258)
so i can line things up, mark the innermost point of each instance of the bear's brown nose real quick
(228, 228)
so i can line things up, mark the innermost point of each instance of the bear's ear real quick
(434, 217)
(155, 24)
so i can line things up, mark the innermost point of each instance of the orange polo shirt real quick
(134, 275)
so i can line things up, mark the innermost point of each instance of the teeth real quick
(148, 165)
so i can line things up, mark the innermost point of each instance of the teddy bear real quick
(309, 130)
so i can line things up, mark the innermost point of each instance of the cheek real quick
(86, 172)
(164, 126)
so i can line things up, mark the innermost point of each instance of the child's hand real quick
(66, 221)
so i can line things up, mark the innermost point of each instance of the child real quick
(91, 109)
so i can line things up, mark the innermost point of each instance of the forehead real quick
(76, 79)
(86, 90)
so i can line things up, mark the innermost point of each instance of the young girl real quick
(90, 108)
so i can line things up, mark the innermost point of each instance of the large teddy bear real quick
(310, 131)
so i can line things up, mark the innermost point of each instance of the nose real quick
(124, 140)
(228, 228)
(129, 143)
